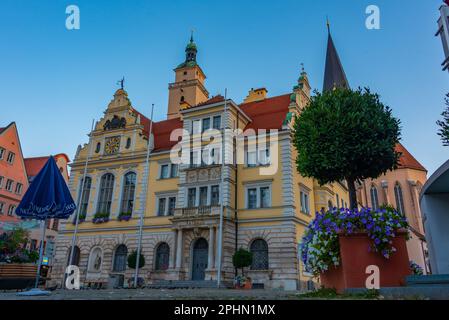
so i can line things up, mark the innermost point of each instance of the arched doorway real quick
(199, 259)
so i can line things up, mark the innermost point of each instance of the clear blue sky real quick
(53, 82)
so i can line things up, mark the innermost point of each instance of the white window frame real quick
(1, 181)
(11, 210)
(19, 188)
(2, 153)
(2, 208)
(197, 123)
(10, 158)
(10, 186)
(167, 197)
(304, 201)
(258, 186)
(260, 161)
(197, 194)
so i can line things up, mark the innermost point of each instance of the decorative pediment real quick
(115, 123)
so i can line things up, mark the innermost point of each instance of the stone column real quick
(210, 260)
(179, 250)
(216, 247)
(172, 253)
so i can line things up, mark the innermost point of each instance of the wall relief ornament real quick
(115, 123)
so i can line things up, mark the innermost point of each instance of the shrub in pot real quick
(242, 259)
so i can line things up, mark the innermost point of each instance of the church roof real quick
(407, 160)
(334, 74)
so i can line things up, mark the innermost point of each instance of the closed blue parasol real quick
(47, 198)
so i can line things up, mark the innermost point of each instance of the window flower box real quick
(82, 218)
(100, 218)
(124, 216)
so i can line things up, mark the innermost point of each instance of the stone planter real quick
(356, 257)
(16, 276)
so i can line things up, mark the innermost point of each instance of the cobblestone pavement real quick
(160, 294)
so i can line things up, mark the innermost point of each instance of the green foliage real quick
(325, 293)
(346, 135)
(443, 132)
(12, 247)
(242, 259)
(132, 260)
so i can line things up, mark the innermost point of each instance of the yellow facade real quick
(266, 207)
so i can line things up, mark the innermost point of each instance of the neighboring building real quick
(266, 214)
(13, 178)
(435, 206)
(33, 166)
(399, 188)
(16, 174)
(443, 32)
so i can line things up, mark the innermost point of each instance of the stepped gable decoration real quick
(115, 123)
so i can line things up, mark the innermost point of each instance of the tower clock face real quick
(112, 145)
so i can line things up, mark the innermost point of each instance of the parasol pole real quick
(146, 177)
(41, 252)
(83, 181)
(220, 233)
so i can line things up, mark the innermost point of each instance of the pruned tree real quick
(443, 132)
(347, 135)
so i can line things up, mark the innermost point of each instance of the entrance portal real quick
(199, 263)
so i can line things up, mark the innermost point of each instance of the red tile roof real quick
(407, 160)
(268, 113)
(34, 165)
(215, 99)
(162, 131)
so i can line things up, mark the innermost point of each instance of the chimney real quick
(256, 95)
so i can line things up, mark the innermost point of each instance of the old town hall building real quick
(266, 203)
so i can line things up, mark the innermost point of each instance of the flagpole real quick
(146, 177)
(83, 181)
(220, 233)
(41, 252)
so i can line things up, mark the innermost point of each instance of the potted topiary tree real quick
(242, 259)
(132, 262)
(17, 264)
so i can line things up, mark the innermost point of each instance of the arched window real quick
(95, 260)
(97, 149)
(84, 200)
(120, 258)
(259, 249)
(374, 198)
(162, 257)
(399, 198)
(75, 257)
(105, 195)
(129, 188)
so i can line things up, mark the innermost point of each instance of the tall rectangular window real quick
(217, 122)
(161, 207)
(215, 195)
(174, 171)
(305, 206)
(203, 196)
(171, 206)
(205, 124)
(9, 184)
(19, 187)
(196, 126)
(264, 157)
(1, 181)
(2, 208)
(252, 198)
(2, 153)
(264, 197)
(191, 197)
(84, 201)
(164, 171)
(11, 157)
(11, 210)
(251, 159)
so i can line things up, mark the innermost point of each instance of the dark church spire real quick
(334, 74)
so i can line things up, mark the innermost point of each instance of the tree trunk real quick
(352, 194)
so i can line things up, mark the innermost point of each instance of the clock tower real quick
(188, 88)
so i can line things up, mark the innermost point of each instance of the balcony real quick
(197, 212)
